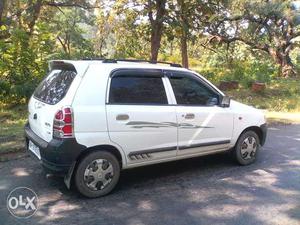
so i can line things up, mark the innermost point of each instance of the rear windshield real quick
(55, 86)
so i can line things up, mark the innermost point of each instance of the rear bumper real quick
(57, 155)
(264, 129)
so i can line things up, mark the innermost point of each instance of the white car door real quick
(140, 119)
(203, 126)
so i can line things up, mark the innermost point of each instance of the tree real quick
(188, 20)
(268, 26)
(2, 5)
(156, 10)
(69, 27)
(182, 14)
(27, 41)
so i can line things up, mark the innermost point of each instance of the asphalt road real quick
(208, 190)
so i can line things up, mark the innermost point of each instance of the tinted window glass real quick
(55, 86)
(137, 90)
(189, 91)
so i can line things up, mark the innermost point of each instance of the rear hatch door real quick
(49, 97)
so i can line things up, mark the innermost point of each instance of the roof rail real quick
(87, 58)
(140, 60)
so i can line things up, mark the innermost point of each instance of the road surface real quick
(208, 190)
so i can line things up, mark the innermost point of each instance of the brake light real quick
(63, 123)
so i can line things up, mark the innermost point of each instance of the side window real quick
(189, 91)
(137, 90)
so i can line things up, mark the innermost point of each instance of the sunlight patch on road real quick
(146, 205)
(20, 172)
(219, 211)
(58, 210)
(293, 162)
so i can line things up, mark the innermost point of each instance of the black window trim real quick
(138, 72)
(168, 74)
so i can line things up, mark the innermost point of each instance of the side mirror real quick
(225, 101)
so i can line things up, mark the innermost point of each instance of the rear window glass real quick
(55, 86)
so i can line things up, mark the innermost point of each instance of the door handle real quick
(189, 116)
(122, 117)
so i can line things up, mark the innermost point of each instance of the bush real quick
(21, 67)
(240, 66)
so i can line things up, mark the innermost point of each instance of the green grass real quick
(283, 117)
(12, 122)
(280, 96)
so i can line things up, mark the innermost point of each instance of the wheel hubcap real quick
(249, 147)
(98, 174)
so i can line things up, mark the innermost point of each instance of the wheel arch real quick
(255, 129)
(69, 179)
(108, 148)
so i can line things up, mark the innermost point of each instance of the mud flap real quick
(68, 176)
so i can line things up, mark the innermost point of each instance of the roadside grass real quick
(283, 117)
(282, 95)
(12, 122)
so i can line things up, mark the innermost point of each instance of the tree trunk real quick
(156, 25)
(2, 4)
(33, 16)
(36, 9)
(155, 41)
(184, 32)
(4, 34)
(171, 48)
(286, 67)
(184, 51)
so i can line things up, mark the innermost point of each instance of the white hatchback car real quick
(90, 119)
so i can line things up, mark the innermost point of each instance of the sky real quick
(297, 4)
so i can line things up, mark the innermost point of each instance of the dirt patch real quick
(7, 156)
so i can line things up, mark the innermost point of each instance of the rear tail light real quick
(63, 123)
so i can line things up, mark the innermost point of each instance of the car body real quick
(141, 113)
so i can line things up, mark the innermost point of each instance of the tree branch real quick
(296, 34)
(150, 13)
(209, 48)
(61, 4)
(227, 40)
(62, 44)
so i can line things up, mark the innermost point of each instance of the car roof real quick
(81, 65)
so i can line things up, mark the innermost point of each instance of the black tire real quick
(79, 178)
(243, 159)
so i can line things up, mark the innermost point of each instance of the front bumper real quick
(264, 129)
(57, 155)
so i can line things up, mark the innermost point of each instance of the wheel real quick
(97, 174)
(246, 148)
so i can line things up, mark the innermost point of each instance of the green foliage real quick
(21, 67)
(268, 26)
(25, 53)
(251, 70)
(70, 28)
(281, 95)
(236, 63)
(34, 32)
